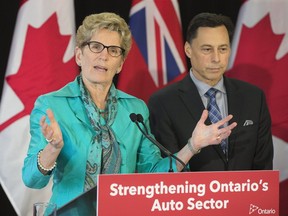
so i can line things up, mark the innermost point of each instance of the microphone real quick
(133, 117)
(139, 118)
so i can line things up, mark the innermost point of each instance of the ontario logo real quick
(260, 211)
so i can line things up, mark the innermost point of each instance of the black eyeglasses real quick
(97, 47)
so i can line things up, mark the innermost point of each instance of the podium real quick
(236, 193)
(222, 193)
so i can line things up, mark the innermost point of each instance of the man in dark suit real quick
(175, 109)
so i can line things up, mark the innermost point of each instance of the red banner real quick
(194, 193)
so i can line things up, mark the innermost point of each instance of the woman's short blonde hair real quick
(106, 20)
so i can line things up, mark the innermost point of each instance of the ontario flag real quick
(41, 60)
(260, 57)
(156, 57)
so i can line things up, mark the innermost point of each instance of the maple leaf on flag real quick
(259, 66)
(42, 68)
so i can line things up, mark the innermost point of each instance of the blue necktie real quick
(214, 113)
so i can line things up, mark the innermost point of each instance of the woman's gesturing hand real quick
(52, 132)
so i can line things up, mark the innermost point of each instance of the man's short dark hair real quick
(209, 20)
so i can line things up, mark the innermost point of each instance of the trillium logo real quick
(252, 208)
(261, 211)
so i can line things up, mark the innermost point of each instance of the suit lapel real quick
(80, 112)
(190, 97)
(235, 101)
(72, 94)
(123, 121)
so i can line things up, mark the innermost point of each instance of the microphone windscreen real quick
(133, 117)
(140, 118)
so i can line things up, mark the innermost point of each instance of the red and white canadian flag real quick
(41, 60)
(260, 57)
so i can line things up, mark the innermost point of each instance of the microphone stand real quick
(159, 146)
(138, 118)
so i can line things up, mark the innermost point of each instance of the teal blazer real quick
(138, 153)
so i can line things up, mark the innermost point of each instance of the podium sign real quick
(236, 193)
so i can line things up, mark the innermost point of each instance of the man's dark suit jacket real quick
(176, 109)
